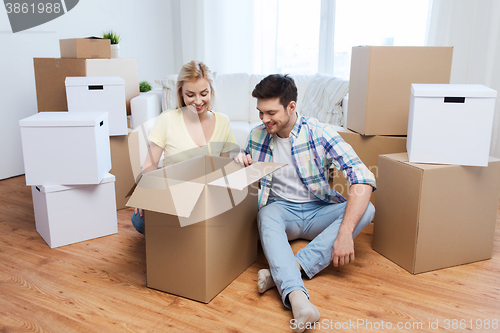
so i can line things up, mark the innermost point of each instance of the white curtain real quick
(217, 32)
(473, 29)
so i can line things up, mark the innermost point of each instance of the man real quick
(297, 201)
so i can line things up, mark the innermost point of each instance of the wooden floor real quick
(99, 286)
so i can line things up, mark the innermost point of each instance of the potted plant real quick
(114, 39)
(144, 86)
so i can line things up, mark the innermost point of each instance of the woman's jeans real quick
(281, 221)
(138, 222)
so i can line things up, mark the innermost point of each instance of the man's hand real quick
(343, 249)
(243, 159)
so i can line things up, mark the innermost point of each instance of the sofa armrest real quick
(146, 106)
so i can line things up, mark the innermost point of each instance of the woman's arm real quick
(152, 158)
(151, 163)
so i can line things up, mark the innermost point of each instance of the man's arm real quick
(357, 202)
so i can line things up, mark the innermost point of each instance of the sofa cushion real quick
(323, 99)
(231, 96)
(240, 132)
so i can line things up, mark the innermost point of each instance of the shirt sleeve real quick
(346, 160)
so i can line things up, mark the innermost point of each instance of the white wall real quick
(147, 32)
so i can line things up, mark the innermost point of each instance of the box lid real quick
(452, 90)
(78, 81)
(57, 188)
(71, 119)
(169, 191)
(403, 158)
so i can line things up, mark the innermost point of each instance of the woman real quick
(191, 130)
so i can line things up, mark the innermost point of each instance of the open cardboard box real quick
(200, 224)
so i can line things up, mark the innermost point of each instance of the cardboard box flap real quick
(242, 178)
(452, 90)
(167, 196)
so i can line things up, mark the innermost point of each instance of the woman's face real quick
(197, 94)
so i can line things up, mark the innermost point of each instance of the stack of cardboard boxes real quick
(428, 216)
(66, 162)
(68, 155)
(379, 99)
(90, 57)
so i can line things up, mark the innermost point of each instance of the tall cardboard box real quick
(200, 224)
(65, 148)
(450, 123)
(380, 84)
(50, 74)
(70, 214)
(85, 48)
(433, 216)
(122, 166)
(368, 148)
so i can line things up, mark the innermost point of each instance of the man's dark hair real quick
(277, 85)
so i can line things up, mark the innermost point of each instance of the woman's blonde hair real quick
(193, 71)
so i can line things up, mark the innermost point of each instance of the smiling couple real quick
(294, 202)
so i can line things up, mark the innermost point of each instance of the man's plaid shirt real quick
(315, 148)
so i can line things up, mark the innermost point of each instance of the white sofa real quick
(318, 95)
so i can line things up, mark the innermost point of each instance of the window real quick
(287, 32)
(383, 22)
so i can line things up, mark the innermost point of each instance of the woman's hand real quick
(138, 211)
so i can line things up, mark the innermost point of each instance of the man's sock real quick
(265, 281)
(303, 311)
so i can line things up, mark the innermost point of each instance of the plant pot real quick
(115, 50)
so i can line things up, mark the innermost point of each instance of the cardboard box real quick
(65, 148)
(105, 93)
(200, 220)
(450, 123)
(50, 74)
(70, 214)
(433, 216)
(85, 48)
(368, 148)
(379, 85)
(122, 167)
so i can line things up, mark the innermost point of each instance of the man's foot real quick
(265, 281)
(304, 312)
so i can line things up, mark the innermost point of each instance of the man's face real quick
(277, 119)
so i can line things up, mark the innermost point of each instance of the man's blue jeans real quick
(281, 221)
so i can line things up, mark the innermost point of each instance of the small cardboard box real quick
(63, 148)
(450, 123)
(379, 85)
(200, 224)
(99, 93)
(433, 216)
(51, 73)
(85, 48)
(122, 167)
(367, 147)
(70, 214)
